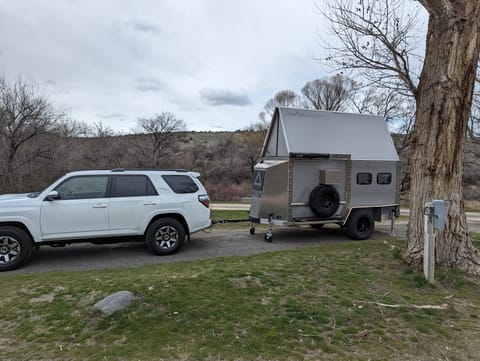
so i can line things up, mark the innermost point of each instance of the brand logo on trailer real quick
(258, 178)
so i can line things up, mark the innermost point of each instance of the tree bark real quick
(443, 106)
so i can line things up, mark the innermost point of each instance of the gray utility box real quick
(321, 167)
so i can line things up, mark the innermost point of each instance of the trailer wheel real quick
(324, 200)
(360, 224)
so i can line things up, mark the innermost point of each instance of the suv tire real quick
(15, 248)
(165, 236)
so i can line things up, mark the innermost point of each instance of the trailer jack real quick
(252, 228)
(393, 215)
(269, 235)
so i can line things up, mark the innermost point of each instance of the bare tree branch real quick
(377, 40)
(161, 130)
(24, 116)
(283, 98)
(328, 93)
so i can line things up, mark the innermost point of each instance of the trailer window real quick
(364, 178)
(384, 178)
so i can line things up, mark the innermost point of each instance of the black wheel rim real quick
(9, 249)
(327, 201)
(363, 225)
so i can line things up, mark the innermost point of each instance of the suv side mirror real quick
(52, 196)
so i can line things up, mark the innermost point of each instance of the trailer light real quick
(204, 199)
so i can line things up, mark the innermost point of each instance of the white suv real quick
(161, 207)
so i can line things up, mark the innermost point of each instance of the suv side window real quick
(132, 186)
(83, 187)
(180, 183)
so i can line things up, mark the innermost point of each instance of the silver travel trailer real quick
(322, 167)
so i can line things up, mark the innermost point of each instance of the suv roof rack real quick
(148, 169)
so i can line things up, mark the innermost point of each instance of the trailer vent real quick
(331, 177)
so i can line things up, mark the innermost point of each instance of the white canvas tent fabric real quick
(364, 137)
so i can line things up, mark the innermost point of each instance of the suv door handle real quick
(100, 205)
(149, 204)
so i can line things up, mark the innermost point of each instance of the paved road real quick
(218, 243)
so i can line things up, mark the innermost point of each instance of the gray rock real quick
(115, 302)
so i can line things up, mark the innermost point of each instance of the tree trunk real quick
(443, 106)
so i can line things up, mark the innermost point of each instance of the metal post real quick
(429, 242)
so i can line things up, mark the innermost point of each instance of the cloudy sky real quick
(214, 63)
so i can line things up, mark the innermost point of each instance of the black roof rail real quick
(148, 169)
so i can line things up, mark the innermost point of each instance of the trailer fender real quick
(324, 200)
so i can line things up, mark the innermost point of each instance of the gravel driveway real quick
(218, 243)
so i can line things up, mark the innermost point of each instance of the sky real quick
(212, 63)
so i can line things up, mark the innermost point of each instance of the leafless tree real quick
(328, 93)
(251, 143)
(100, 130)
(284, 98)
(162, 132)
(398, 110)
(25, 115)
(445, 96)
(71, 128)
(376, 41)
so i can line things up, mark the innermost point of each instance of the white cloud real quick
(145, 27)
(149, 84)
(217, 97)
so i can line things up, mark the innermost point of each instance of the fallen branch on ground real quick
(443, 306)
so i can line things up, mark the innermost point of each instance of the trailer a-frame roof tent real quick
(303, 131)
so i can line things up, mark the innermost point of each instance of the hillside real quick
(225, 159)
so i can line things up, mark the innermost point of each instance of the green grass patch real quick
(314, 303)
(229, 214)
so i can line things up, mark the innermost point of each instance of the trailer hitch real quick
(234, 220)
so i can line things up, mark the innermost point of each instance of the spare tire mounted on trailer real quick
(324, 200)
